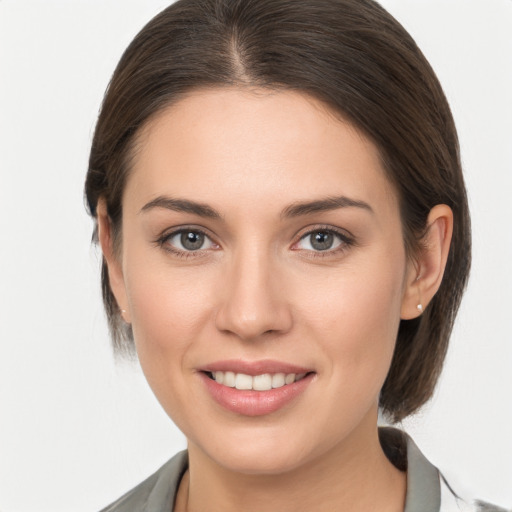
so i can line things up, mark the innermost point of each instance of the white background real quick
(77, 430)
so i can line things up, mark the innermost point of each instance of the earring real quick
(123, 313)
(419, 307)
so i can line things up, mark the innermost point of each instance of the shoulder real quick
(427, 488)
(452, 501)
(157, 492)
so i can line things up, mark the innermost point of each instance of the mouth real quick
(261, 382)
(255, 388)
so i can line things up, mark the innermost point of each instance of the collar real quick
(423, 481)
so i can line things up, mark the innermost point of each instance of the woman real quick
(280, 204)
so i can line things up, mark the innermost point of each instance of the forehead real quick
(231, 145)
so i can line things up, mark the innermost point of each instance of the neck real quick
(354, 475)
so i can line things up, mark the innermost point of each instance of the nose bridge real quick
(252, 300)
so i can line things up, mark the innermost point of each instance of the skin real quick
(259, 290)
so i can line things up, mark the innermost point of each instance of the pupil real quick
(192, 241)
(322, 240)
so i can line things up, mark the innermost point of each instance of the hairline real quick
(136, 141)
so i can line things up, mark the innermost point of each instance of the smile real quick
(255, 388)
(263, 382)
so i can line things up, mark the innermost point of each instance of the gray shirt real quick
(427, 490)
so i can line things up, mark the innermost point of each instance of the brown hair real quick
(358, 60)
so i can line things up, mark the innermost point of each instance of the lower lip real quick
(255, 403)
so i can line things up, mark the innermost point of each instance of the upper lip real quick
(254, 367)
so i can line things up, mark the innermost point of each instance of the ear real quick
(112, 260)
(425, 271)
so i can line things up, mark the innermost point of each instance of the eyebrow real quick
(182, 205)
(323, 205)
(294, 210)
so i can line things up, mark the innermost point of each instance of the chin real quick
(259, 451)
(259, 461)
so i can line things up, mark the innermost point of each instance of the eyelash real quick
(346, 241)
(163, 240)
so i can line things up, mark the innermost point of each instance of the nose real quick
(253, 300)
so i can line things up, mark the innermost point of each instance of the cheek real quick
(169, 314)
(169, 307)
(356, 313)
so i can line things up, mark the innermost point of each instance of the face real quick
(263, 271)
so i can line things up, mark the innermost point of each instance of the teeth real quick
(289, 378)
(263, 382)
(229, 379)
(278, 380)
(243, 381)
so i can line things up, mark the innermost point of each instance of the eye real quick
(322, 240)
(189, 240)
